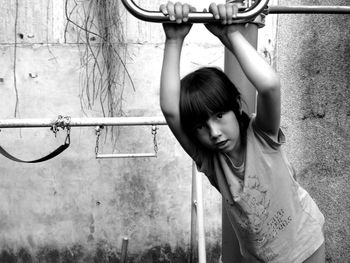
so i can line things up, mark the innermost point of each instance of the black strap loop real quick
(56, 152)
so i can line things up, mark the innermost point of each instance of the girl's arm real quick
(170, 75)
(256, 69)
(264, 79)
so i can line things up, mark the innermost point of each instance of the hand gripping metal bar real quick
(195, 17)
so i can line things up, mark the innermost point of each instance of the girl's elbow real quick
(168, 111)
(165, 110)
(277, 82)
(273, 84)
(270, 88)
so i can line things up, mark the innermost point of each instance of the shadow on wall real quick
(104, 254)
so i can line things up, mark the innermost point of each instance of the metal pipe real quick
(195, 17)
(79, 122)
(206, 17)
(309, 9)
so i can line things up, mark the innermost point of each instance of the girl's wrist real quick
(233, 34)
(234, 37)
(174, 41)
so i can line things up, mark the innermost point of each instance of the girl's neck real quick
(237, 156)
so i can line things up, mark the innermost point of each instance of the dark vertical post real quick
(235, 73)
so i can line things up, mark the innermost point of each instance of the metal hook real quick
(62, 122)
(155, 144)
(67, 141)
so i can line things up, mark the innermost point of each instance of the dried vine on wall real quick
(99, 29)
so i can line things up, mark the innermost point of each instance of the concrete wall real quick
(75, 208)
(313, 58)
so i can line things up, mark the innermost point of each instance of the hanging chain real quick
(154, 133)
(98, 133)
(67, 141)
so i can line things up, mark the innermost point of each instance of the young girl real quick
(274, 219)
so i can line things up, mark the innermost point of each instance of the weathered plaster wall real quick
(75, 208)
(313, 58)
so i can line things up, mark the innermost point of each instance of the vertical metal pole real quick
(124, 253)
(194, 244)
(200, 218)
(198, 205)
(235, 73)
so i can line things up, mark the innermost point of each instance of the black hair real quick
(205, 92)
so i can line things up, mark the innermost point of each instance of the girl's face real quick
(220, 132)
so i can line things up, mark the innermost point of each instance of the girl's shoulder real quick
(204, 161)
(255, 133)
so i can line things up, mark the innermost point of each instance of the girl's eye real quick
(219, 115)
(199, 126)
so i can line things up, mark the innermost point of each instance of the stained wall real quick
(313, 58)
(75, 208)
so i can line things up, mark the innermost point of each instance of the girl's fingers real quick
(163, 9)
(185, 11)
(225, 12)
(213, 8)
(178, 12)
(235, 11)
(229, 13)
(170, 9)
(222, 13)
(192, 9)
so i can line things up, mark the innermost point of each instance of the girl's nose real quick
(214, 131)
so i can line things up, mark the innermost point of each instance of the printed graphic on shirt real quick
(255, 204)
(268, 254)
(257, 219)
(278, 222)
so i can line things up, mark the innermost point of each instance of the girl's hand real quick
(225, 14)
(177, 12)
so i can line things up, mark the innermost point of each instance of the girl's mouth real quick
(221, 144)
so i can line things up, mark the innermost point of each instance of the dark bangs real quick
(205, 92)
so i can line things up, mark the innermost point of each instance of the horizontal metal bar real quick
(195, 17)
(206, 17)
(79, 122)
(125, 155)
(309, 9)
